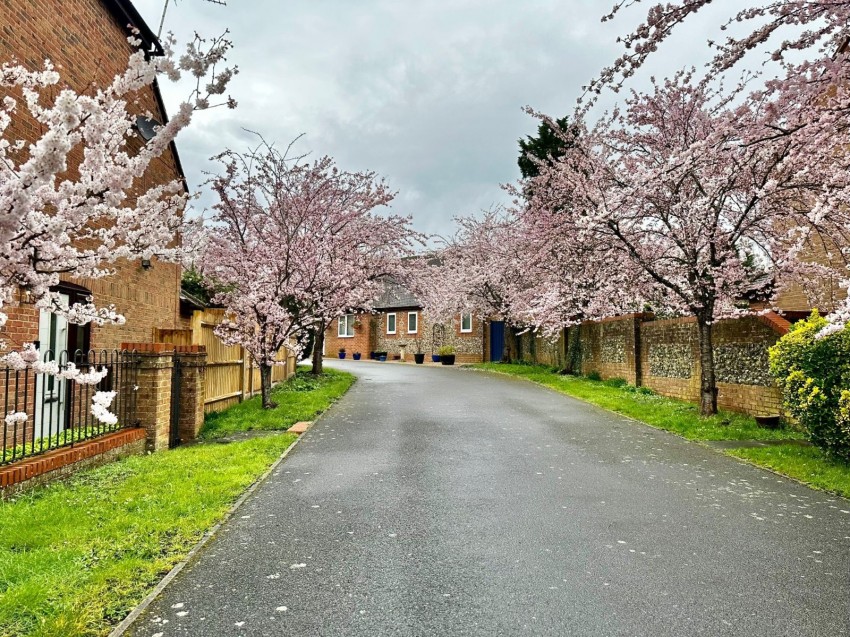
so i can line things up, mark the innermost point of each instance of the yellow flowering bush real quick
(813, 371)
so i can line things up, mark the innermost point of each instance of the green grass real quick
(641, 404)
(77, 556)
(301, 398)
(806, 464)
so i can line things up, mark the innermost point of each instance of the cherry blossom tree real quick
(292, 246)
(479, 270)
(72, 201)
(703, 197)
(815, 28)
(808, 41)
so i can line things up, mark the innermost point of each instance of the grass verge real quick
(645, 405)
(77, 556)
(301, 398)
(806, 464)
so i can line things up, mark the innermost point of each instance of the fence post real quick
(243, 374)
(153, 399)
(193, 363)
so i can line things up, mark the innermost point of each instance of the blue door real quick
(497, 340)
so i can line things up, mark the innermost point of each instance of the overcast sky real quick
(429, 95)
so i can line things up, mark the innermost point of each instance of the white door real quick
(52, 391)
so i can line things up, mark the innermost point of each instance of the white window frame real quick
(416, 321)
(467, 331)
(343, 323)
(395, 323)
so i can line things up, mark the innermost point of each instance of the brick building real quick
(87, 42)
(398, 325)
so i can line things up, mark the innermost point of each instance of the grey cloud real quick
(428, 95)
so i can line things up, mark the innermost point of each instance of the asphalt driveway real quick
(441, 501)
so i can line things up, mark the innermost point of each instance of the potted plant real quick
(356, 356)
(447, 355)
(342, 352)
(419, 357)
(382, 356)
(435, 358)
(373, 356)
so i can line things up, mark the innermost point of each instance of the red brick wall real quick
(360, 342)
(87, 45)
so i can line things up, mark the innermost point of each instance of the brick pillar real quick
(193, 366)
(153, 399)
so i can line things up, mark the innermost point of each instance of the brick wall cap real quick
(777, 323)
(149, 348)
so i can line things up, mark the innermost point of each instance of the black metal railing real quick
(59, 410)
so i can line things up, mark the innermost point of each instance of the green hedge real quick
(813, 371)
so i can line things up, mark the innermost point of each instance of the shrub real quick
(813, 372)
(594, 375)
(616, 382)
(446, 350)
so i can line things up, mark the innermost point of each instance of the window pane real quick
(411, 322)
(466, 322)
(340, 326)
(391, 323)
(349, 324)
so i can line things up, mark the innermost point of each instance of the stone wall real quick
(542, 350)
(664, 356)
(609, 347)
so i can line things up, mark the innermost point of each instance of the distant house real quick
(87, 42)
(398, 325)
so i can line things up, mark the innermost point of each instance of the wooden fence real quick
(231, 375)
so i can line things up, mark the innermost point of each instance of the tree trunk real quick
(266, 386)
(511, 344)
(318, 346)
(569, 363)
(708, 381)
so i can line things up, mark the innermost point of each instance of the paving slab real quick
(440, 501)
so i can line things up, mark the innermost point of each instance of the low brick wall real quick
(62, 462)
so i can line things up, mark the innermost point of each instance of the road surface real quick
(443, 501)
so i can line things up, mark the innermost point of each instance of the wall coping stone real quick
(32, 467)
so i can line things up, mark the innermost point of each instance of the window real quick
(465, 323)
(412, 322)
(345, 326)
(391, 323)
